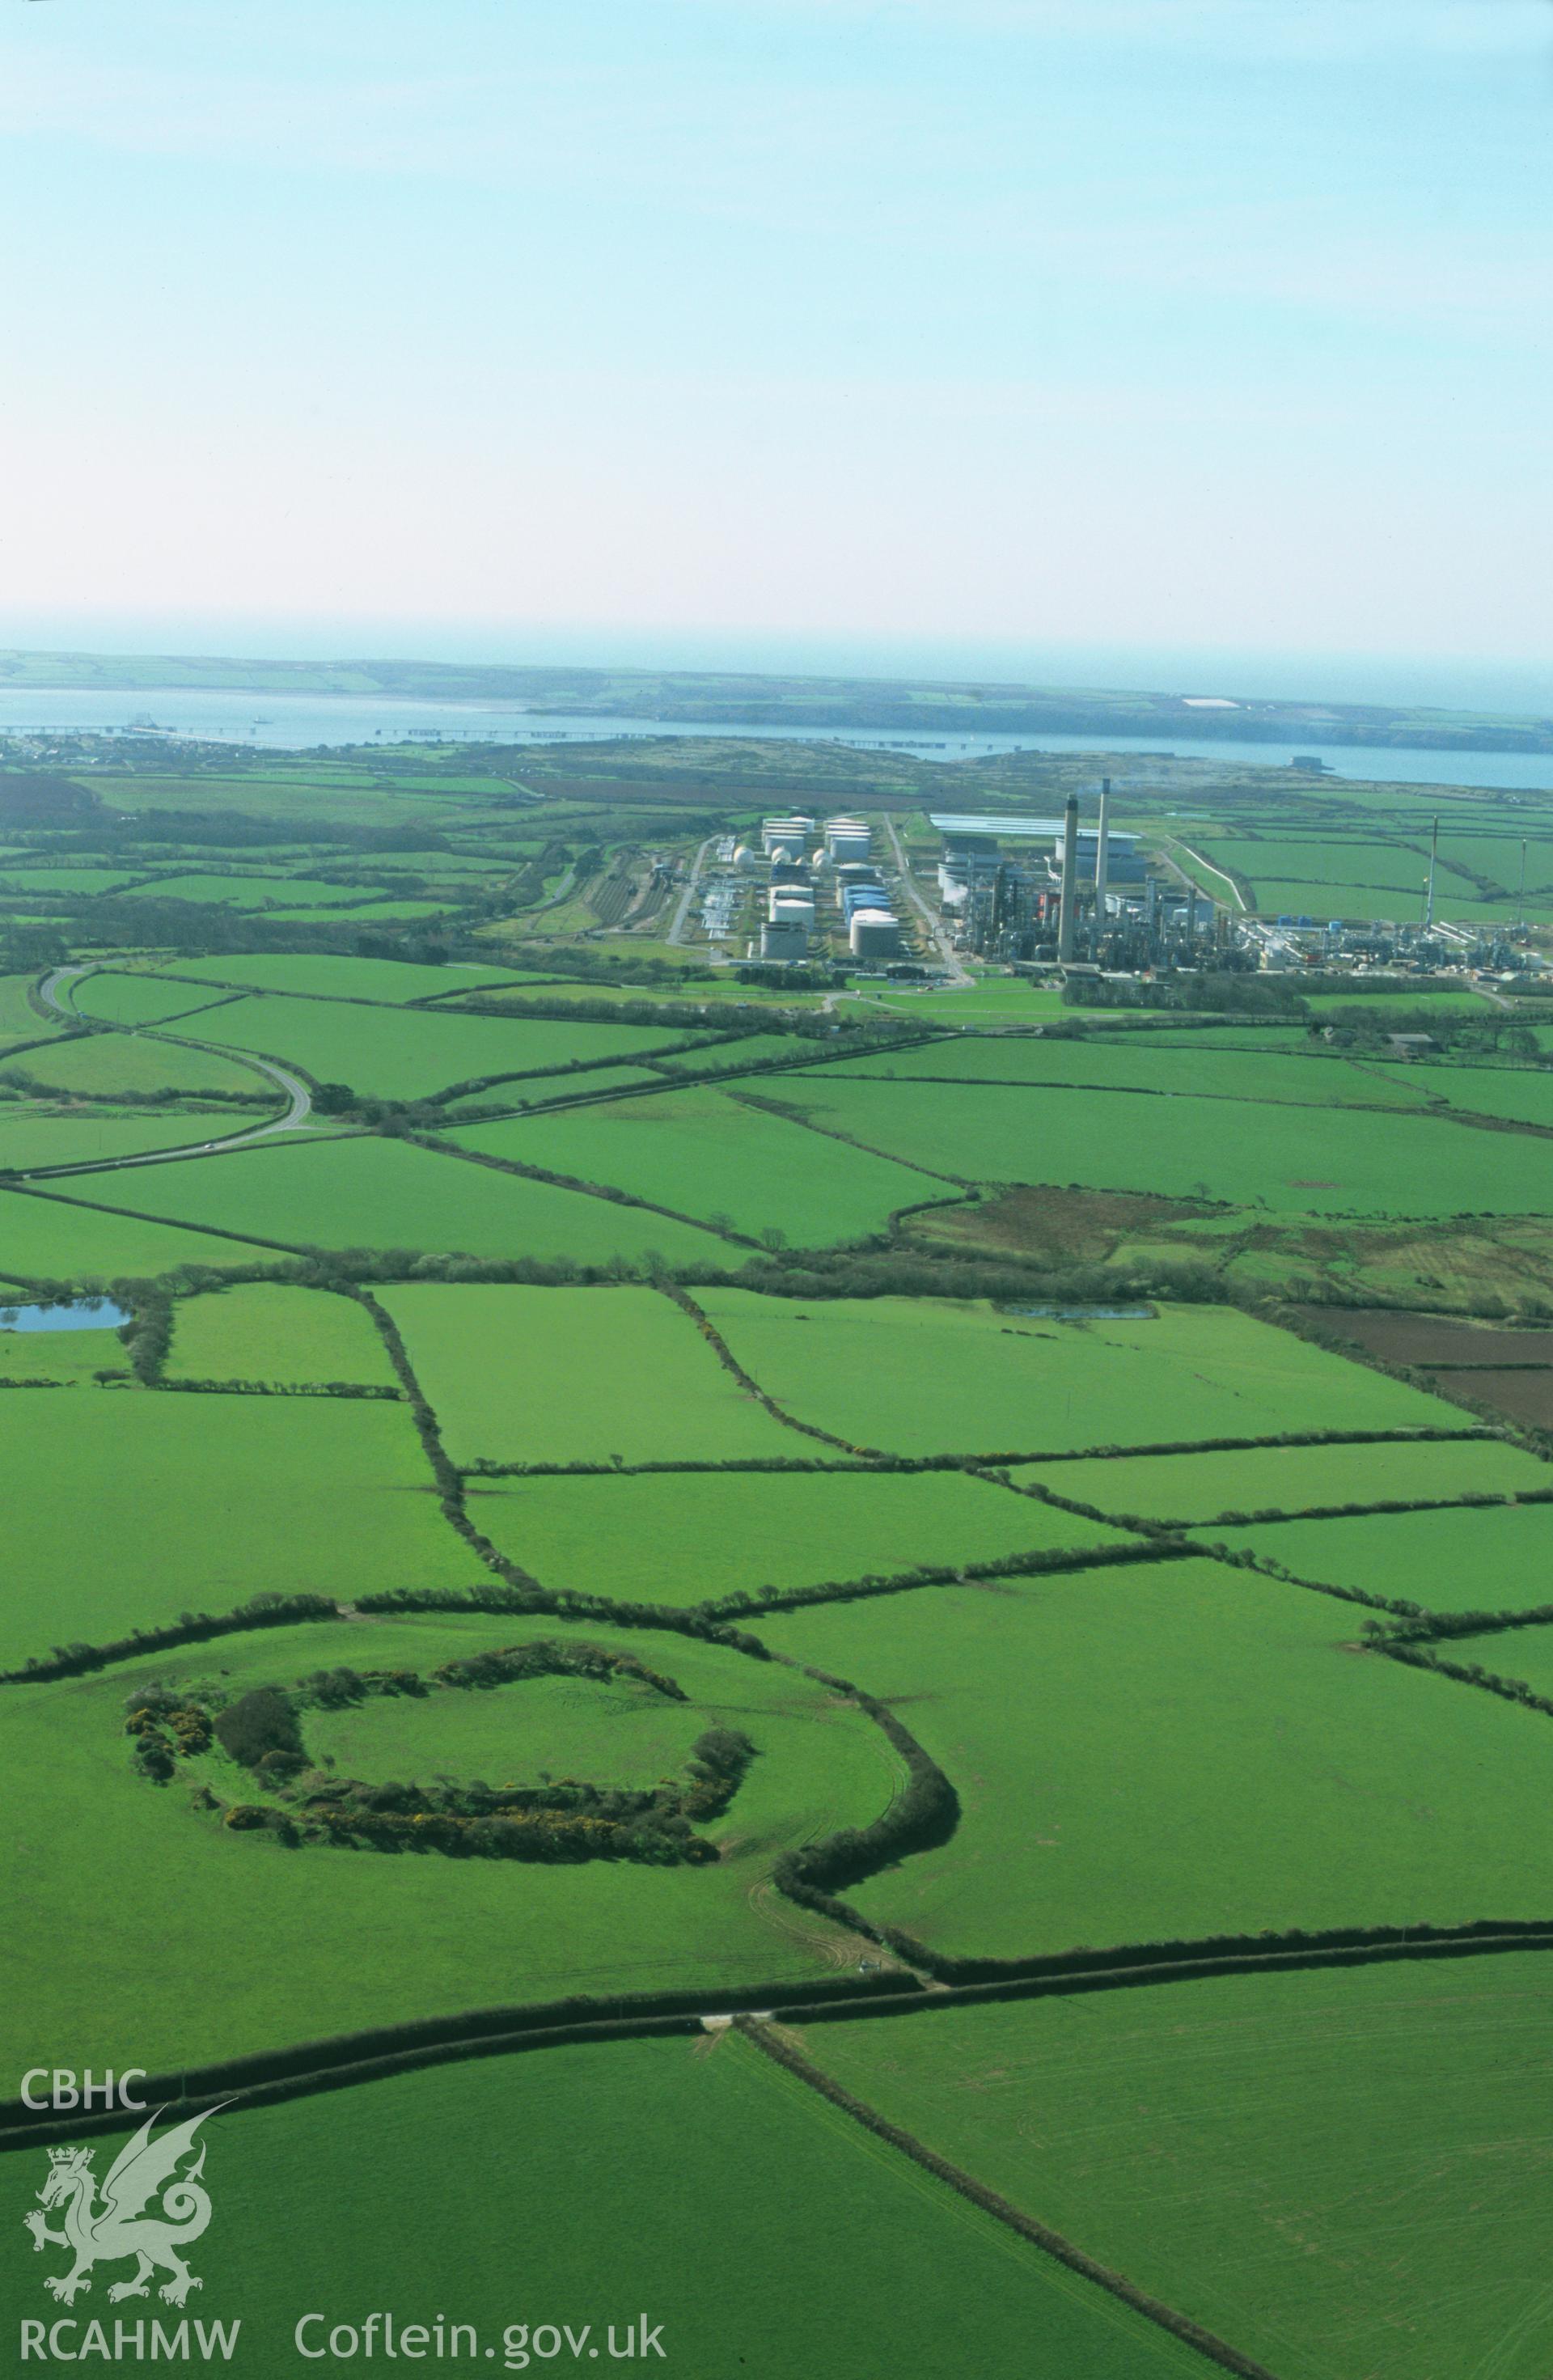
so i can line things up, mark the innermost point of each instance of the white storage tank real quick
(875, 934)
(790, 945)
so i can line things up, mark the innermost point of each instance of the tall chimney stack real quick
(1070, 883)
(1429, 896)
(1100, 858)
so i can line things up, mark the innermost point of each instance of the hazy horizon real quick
(1427, 681)
(1181, 343)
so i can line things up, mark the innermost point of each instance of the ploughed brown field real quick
(1510, 1371)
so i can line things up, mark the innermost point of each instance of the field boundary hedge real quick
(604, 1190)
(879, 1461)
(787, 2055)
(262, 2077)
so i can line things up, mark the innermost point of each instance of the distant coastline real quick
(891, 705)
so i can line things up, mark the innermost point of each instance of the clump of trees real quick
(563, 1821)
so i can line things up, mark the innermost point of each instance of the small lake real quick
(1050, 1313)
(303, 722)
(74, 1314)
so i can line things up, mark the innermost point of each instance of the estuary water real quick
(304, 723)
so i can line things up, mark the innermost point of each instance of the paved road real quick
(54, 982)
(676, 931)
(300, 1099)
(939, 933)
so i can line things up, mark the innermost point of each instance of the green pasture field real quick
(373, 1940)
(259, 892)
(691, 1537)
(67, 1356)
(54, 1238)
(319, 974)
(716, 993)
(731, 1057)
(1520, 1094)
(34, 1132)
(1276, 1157)
(102, 1065)
(360, 1191)
(312, 2210)
(125, 1508)
(370, 911)
(999, 1000)
(1449, 1000)
(410, 1053)
(1182, 1751)
(1202, 1067)
(620, 1734)
(597, 1083)
(140, 999)
(269, 1331)
(19, 1021)
(1496, 1559)
(1339, 2172)
(576, 1376)
(705, 1154)
(1523, 1653)
(924, 1376)
(1200, 1488)
(1324, 863)
(1453, 900)
(85, 881)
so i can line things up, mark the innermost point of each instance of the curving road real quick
(299, 1098)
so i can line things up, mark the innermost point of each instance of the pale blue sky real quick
(1018, 333)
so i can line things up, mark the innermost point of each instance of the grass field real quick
(1495, 1560)
(320, 974)
(371, 1939)
(36, 1134)
(140, 999)
(576, 1376)
(1277, 1156)
(54, 1238)
(257, 892)
(70, 1356)
(125, 1509)
(19, 1021)
(1181, 1752)
(311, 2215)
(689, 1538)
(998, 999)
(409, 1054)
(704, 1153)
(1341, 2173)
(365, 1191)
(620, 1734)
(923, 1375)
(1202, 1066)
(597, 1083)
(1199, 1487)
(104, 1065)
(82, 881)
(263, 1330)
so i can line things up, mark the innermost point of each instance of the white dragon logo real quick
(120, 2227)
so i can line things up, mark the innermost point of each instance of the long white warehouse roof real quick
(1032, 829)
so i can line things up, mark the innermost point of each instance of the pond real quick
(69, 1313)
(1051, 1312)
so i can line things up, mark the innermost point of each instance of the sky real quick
(1200, 342)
